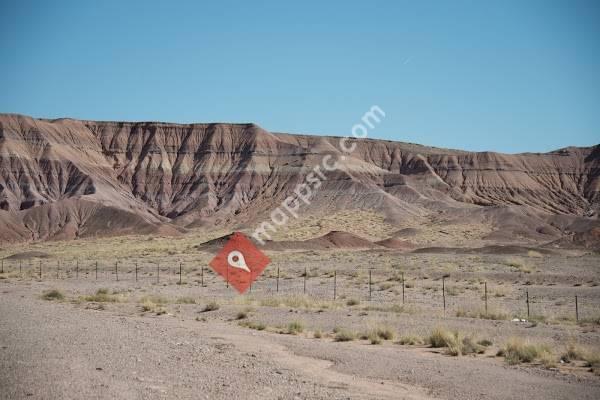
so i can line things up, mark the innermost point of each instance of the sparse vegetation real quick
(343, 335)
(519, 265)
(411, 340)
(102, 296)
(455, 342)
(211, 306)
(259, 326)
(295, 328)
(517, 351)
(53, 294)
(185, 300)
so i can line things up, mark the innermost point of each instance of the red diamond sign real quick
(239, 262)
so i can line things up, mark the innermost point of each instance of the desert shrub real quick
(352, 302)
(456, 344)
(517, 351)
(468, 345)
(344, 335)
(259, 326)
(295, 327)
(519, 265)
(317, 334)
(590, 356)
(440, 337)
(102, 296)
(156, 299)
(410, 340)
(384, 333)
(149, 306)
(592, 360)
(185, 300)
(535, 254)
(374, 338)
(211, 306)
(241, 315)
(53, 294)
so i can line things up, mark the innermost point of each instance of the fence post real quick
(277, 289)
(444, 293)
(117, 270)
(180, 273)
(402, 287)
(20, 267)
(334, 284)
(96, 270)
(485, 296)
(527, 300)
(305, 273)
(576, 309)
(40, 269)
(136, 271)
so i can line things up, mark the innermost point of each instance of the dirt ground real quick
(166, 336)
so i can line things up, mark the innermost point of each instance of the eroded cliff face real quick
(67, 178)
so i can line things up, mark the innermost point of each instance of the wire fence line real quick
(476, 297)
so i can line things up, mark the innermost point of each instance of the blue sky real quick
(508, 76)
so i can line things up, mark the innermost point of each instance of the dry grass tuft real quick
(456, 343)
(517, 351)
(343, 335)
(53, 294)
(295, 328)
(102, 296)
(211, 306)
(411, 340)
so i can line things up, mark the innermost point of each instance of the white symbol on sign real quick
(236, 260)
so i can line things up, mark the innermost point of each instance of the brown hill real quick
(330, 241)
(65, 178)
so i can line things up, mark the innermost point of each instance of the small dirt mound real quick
(27, 255)
(493, 249)
(331, 240)
(397, 244)
(406, 232)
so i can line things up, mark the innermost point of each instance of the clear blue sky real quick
(508, 76)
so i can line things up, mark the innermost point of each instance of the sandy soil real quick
(80, 347)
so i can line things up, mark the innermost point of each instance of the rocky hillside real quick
(67, 178)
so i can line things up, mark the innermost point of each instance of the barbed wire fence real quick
(452, 297)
